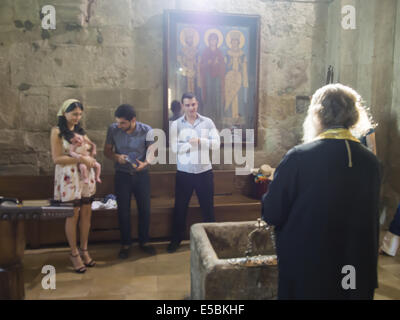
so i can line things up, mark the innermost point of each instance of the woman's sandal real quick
(91, 263)
(80, 269)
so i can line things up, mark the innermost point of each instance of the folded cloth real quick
(97, 205)
(110, 204)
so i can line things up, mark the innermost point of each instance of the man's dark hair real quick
(188, 95)
(175, 106)
(125, 111)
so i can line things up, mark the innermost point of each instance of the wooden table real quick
(12, 244)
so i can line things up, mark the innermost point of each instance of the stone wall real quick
(116, 57)
(113, 54)
(364, 59)
(393, 141)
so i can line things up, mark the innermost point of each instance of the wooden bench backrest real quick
(162, 185)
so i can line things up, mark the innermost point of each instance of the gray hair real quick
(336, 105)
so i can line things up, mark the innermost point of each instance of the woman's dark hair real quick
(63, 125)
(175, 106)
(125, 111)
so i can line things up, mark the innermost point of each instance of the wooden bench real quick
(231, 201)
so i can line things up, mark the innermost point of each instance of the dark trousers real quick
(138, 184)
(395, 224)
(203, 184)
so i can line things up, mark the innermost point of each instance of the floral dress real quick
(68, 185)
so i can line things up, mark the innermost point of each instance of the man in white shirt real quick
(192, 137)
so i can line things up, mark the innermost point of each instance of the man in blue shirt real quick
(127, 143)
(192, 137)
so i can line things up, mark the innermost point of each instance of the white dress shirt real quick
(194, 158)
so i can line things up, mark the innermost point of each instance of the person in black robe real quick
(323, 202)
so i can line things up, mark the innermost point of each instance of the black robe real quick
(325, 215)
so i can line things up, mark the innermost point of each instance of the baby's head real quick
(76, 140)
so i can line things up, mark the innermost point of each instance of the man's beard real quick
(129, 128)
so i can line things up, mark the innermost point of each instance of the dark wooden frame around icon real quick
(186, 36)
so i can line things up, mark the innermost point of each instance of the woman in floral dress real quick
(68, 185)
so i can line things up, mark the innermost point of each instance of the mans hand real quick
(194, 141)
(141, 165)
(121, 158)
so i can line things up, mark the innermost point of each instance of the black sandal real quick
(91, 263)
(80, 269)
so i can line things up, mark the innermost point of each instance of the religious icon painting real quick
(216, 57)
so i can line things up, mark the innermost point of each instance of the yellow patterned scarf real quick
(339, 133)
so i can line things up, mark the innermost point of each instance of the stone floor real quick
(161, 277)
